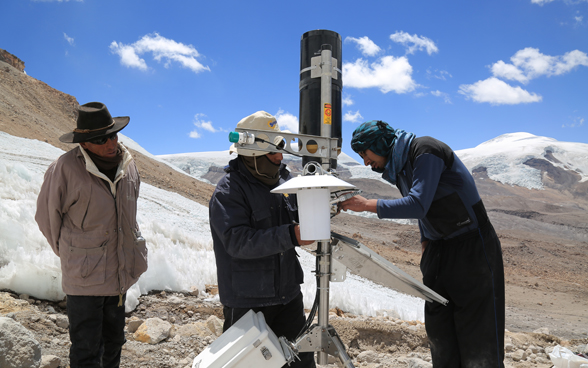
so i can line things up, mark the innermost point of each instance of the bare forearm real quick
(360, 204)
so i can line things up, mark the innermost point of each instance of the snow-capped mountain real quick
(208, 166)
(522, 159)
(517, 159)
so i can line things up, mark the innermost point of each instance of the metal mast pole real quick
(324, 247)
(320, 115)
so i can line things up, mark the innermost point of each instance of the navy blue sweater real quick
(437, 189)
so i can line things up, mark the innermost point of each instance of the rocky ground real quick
(181, 325)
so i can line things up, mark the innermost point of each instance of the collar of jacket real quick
(120, 172)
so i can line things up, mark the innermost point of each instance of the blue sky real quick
(187, 71)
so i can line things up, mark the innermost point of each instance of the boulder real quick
(418, 363)
(199, 329)
(215, 325)
(50, 361)
(18, 347)
(134, 324)
(153, 331)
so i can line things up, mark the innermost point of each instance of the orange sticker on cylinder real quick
(327, 114)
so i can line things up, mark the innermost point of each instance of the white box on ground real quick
(247, 343)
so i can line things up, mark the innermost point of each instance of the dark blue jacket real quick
(257, 264)
(437, 189)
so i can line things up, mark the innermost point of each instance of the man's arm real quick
(426, 175)
(49, 207)
(425, 179)
(359, 204)
(231, 219)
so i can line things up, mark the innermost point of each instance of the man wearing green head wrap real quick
(461, 254)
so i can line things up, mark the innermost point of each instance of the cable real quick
(314, 308)
(277, 146)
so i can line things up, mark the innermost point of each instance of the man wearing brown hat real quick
(87, 210)
(255, 238)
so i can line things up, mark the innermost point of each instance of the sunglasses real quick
(102, 140)
(280, 146)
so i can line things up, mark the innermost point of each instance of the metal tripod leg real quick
(324, 341)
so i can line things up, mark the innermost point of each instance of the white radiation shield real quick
(314, 213)
(314, 203)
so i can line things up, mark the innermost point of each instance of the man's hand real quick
(424, 246)
(300, 241)
(359, 204)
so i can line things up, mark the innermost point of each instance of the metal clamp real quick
(308, 145)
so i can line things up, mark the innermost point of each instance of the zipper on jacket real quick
(87, 208)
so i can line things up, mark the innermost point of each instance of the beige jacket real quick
(91, 224)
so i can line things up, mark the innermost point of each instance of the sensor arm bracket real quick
(308, 145)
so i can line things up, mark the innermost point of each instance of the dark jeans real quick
(284, 320)
(96, 330)
(468, 271)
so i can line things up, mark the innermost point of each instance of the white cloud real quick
(443, 95)
(508, 71)
(529, 63)
(354, 117)
(69, 40)
(287, 121)
(414, 42)
(387, 74)
(206, 125)
(438, 74)
(569, 2)
(194, 134)
(365, 45)
(202, 124)
(128, 56)
(576, 122)
(347, 101)
(497, 92)
(163, 49)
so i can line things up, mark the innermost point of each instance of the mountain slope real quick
(31, 109)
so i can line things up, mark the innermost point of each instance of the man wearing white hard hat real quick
(255, 235)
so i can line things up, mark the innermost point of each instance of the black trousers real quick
(468, 271)
(284, 320)
(96, 330)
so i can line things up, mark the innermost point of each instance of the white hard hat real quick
(260, 120)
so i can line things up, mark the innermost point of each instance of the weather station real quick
(250, 342)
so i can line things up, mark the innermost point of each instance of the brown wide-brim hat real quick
(94, 121)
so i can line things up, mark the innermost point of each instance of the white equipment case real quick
(247, 343)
